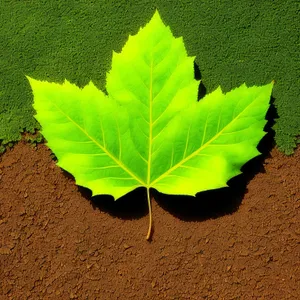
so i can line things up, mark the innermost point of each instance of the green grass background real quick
(234, 42)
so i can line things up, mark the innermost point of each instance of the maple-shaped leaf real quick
(150, 130)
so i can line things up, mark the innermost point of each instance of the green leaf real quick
(150, 130)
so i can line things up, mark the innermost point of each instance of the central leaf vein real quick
(150, 122)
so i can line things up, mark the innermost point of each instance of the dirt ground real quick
(241, 242)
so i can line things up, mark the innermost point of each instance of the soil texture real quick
(56, 242)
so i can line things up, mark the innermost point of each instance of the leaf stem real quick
(149, 234)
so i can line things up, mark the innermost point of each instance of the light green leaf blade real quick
(89, 135)
(207, 144)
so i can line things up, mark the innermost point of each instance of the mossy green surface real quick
(233, 41)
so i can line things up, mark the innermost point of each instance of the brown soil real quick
(240, 242)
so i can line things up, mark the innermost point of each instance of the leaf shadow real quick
(131, 206)
(201, 88)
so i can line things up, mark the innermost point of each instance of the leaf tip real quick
(114, 54)
(66, 82)
(91, 83)
(219, 90)
(30, 79)
(156, 17)
(156, 14)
